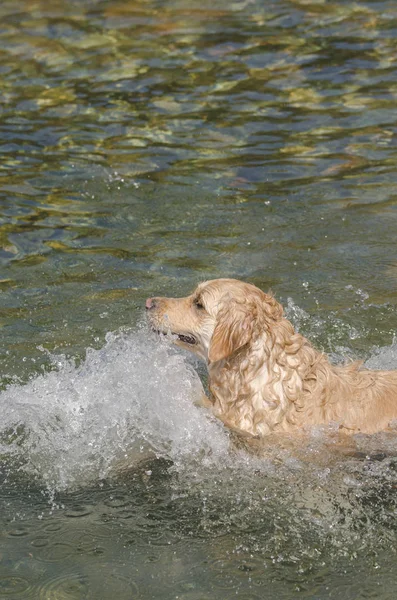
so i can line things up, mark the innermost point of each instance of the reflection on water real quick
(145, 145)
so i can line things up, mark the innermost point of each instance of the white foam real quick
(383, 358)
(131, 398)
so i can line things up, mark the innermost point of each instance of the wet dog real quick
(264, 377)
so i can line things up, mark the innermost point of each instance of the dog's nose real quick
(150, 303)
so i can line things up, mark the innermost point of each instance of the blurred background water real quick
(144, 146)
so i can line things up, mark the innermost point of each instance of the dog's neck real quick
(265, 385)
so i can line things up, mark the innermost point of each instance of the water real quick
(113, 482)
(76, 423)
(146, 146)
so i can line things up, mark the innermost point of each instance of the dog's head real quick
(217, 319)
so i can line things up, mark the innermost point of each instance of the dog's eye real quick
(198, 305)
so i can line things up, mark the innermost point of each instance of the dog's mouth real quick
(182, 337)
(186, 339)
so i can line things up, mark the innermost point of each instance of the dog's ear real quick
(237, 323)
(233, 329)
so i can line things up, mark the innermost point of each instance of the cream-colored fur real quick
(264, 377)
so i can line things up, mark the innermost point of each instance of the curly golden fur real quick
(265, 377)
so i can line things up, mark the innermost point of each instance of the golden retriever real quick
(264, 377)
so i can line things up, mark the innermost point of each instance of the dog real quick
(264, 377)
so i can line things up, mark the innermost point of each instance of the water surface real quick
(145, 146)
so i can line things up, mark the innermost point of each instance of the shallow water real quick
(146, 146)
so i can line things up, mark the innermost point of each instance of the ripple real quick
(118, 501)
(55, 552)
(40, 542)
(224, 581)
(219, 565)
(10, 586)
(52, 527)
(19, 532)
(81, 540)
(78, 511)
(64, 587)
(253, 567)
(127, 513)
(90, 547)
(151, 534)
(113, 585)
(187, 591)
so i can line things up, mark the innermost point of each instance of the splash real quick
(384, 357)
(131, 399)
(134, 399)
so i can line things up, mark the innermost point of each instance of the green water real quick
(147, 145)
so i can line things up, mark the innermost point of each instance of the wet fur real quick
(264, 377)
